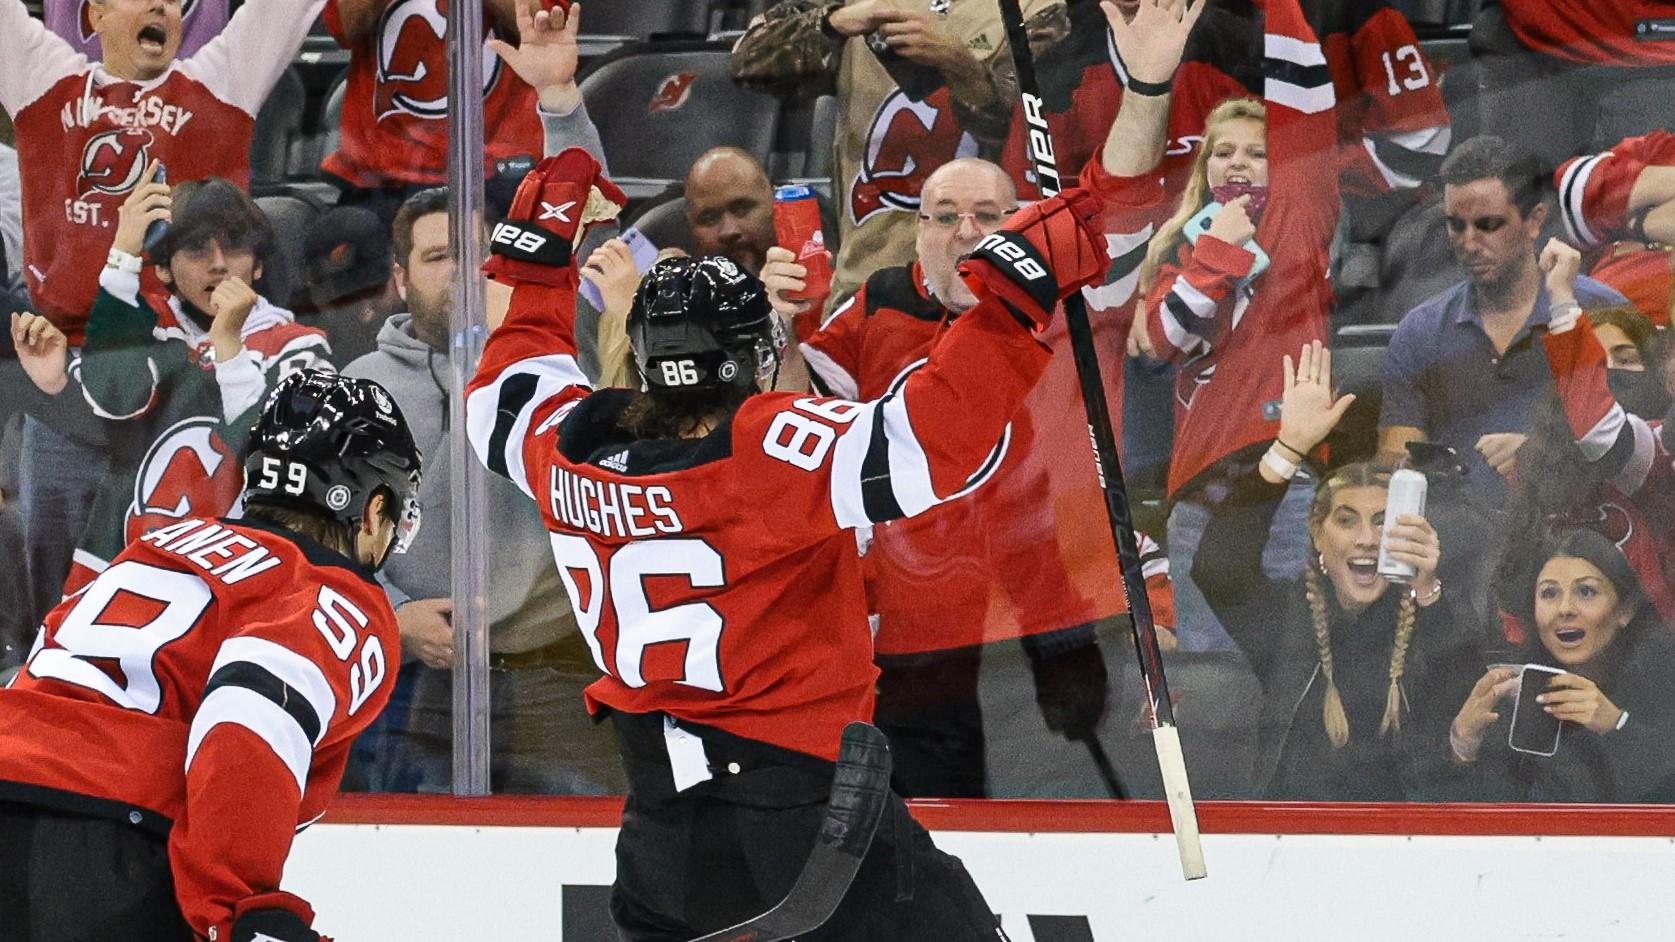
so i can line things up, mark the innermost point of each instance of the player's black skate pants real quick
(727, 849)
(69, 878)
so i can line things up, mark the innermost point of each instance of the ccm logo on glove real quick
(1009, 248)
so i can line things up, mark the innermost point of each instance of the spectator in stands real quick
(73, 21)
(11, 211)
(540, 739)
(182, 373)
(730, 207)
(87, 130)
(1464, 368)
(1237, 276)
(931, 578)
(1591, 620)
(1594, 458)
(1620, 203)
(914, 92)
(394, 128)
(1564, 76)
(1359, 677)
(348, 271)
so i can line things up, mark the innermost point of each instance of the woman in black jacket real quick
(1358, 675)
(1592, 621)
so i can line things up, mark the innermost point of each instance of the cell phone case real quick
(1517, 704)
(1200, 224)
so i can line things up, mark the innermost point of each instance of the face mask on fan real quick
(1639, 392)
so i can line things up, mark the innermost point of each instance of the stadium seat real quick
(658, 108)
(290, 215)
(664, 225)
(278, 129)
(607, 27)
(1358, 367)
(803, 148)
(1418, 263)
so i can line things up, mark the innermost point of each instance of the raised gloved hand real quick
(1071, 682)
(1041, 255)
(554, 206)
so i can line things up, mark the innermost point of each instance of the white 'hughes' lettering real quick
(214, 548)
(148, 112)
(611, 509)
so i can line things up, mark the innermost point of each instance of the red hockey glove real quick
(1042, 254)
(277, 916)
(553, 208)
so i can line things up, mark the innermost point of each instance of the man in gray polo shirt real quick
(1465, 368)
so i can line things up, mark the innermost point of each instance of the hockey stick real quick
(1101, 761)
(1165, 738)
(860, 792)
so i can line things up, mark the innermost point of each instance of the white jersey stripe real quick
(297, 671)
(251, 710)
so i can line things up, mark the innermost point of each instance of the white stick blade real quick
(1182, 815)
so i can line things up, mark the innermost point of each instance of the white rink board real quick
(404, 883)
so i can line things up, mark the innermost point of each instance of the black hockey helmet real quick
(703, 323)
(328, 441)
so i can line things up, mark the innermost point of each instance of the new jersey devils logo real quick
(671, 93)
(112, 162)
(189, 471)
(907, 140)
(412, 74)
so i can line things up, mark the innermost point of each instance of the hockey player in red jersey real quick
(180, 718)
(701, 528)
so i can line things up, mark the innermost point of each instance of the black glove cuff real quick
(526, 243)
(1017, 257)
(1050, 644)
(280, 925)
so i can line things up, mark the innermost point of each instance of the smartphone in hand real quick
(1534, 730)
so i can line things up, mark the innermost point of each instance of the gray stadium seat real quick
(658, 109)
(290, 216)
(278, 128)
(665, 225)
(607, 27)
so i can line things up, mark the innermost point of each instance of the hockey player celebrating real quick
(180, 718)
(701, 529)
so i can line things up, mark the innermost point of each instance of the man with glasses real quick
(931, 579)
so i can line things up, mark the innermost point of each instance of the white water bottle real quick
(1406, 496)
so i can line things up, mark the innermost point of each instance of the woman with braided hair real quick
(1358, 674)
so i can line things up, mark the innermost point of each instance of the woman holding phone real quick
(1358, 673)
(1599, 663)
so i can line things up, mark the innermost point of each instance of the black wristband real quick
(1154, 89)
(826, 26)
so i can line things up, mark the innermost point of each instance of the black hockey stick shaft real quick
(1102, 762)
(1177, 789)
(1091, 379)
(860, 796)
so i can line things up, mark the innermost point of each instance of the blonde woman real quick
(1235, 278)
(1360, 677)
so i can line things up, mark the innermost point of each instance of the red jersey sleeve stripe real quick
(1573, 193)
(1295, 73)
(296, 671)
(836, 380)
(499, 413)
(241, 706)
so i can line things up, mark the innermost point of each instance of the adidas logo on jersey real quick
(980, 43)
(617, 462)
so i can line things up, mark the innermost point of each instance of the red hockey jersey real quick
(208, 686)
(1608, 32)
(85, 137)
(1028, 550)
(395, 106)
(1594, 189)
(715, 579)
(1392, 124)
(1637, 503)
(1226, 330)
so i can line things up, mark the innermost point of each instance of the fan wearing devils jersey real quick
(1627, 192)
(924, 100)
(179, 719)
(395, 106)
(701, 530)
(182, 374)
(87, 131)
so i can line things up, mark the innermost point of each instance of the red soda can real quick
(797, 227)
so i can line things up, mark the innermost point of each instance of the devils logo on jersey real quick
(671, 93)
(906, 141)
(189, 472)
(412, 61)
(112, 162)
